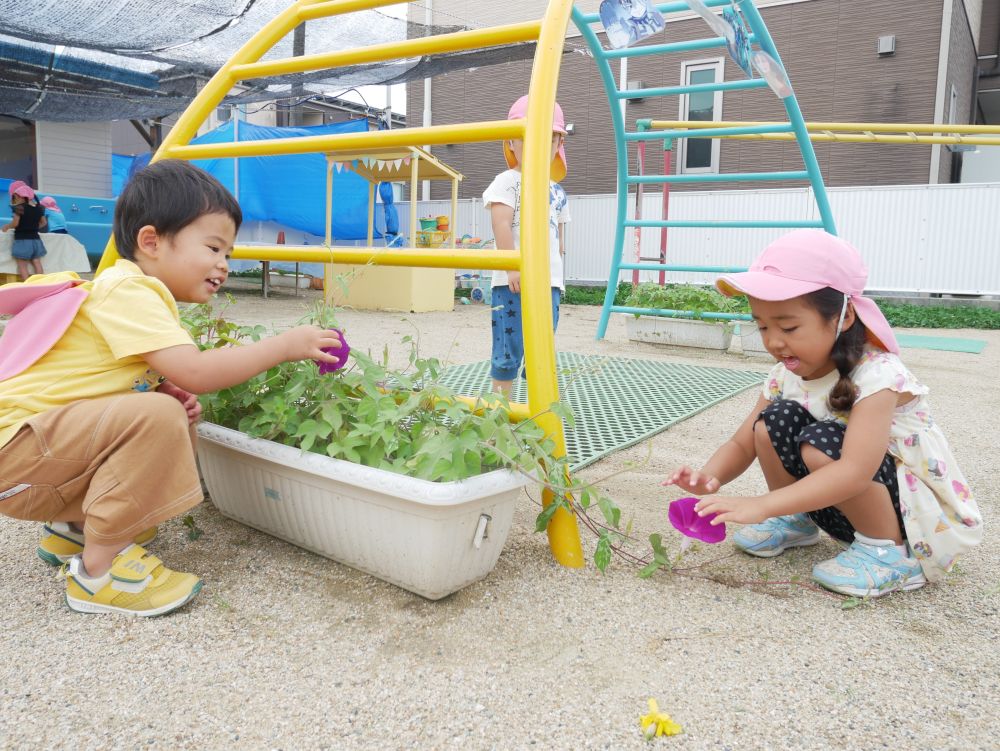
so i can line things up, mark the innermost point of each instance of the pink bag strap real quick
(42, 313)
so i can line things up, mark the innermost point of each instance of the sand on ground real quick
(284, 649)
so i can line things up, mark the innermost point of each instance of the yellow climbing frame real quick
(884, 133)
(535, 129)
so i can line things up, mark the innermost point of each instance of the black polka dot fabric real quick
(789, 425)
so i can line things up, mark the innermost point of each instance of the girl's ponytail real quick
(847, 350)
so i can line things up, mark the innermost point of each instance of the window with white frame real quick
(700, 154)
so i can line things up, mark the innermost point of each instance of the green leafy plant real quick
(402, 421)
(685, 297)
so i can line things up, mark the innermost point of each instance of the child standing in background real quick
(842, 432)
(54, 215)
(28, 219)
(503, 199)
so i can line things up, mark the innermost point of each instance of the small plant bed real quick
(686, 331)
(403, 425)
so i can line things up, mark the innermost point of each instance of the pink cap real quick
(518, 110)
(805, 261)
(23, 190)
(14, 186)
(50, 203)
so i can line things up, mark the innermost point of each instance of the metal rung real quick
(667, 267)
(754, 83)
(666, 313)
(666, 49)
(722, 224)
(716, 178)
(495, 130)
(442, 258)
(675, 7)
(656, 135)
(463, 40)
(339, 7)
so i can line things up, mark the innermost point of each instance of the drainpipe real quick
(942, 87)
(428, 20)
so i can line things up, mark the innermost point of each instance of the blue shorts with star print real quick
(508, 342)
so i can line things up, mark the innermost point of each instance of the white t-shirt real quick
(506, 189)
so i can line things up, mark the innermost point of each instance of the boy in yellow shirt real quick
(96, 436)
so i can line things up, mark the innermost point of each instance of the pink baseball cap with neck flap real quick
(518, 110)
(805, 261)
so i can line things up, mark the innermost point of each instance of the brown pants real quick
(119, 465)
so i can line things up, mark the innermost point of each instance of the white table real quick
(65, 253)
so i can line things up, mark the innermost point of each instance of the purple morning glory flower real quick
(340, 352)
(683, 516)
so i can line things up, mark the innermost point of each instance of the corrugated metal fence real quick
(915, 238)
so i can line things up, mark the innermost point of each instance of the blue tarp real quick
(289, 190)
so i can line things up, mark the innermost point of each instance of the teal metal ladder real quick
(796, 124)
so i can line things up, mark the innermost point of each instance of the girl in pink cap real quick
(842, 432)
(28, 219)
(54, 216)
(503, 199)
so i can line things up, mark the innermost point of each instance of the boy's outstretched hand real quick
(729, 509)
(186, 398)
(308, 343)
(693, 481)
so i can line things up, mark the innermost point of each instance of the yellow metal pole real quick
(506, 260)
(454, 211)
(491, 130)
(976, 135)
(417, 47)
(819, 126)
(536, 289)
(414, 165)
(328, 267)
(371, 214)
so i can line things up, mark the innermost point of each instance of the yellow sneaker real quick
(60, 542)
(137, 584)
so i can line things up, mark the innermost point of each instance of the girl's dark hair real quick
(847, 350)
(169, 195)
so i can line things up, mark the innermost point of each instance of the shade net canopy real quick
(99, 60)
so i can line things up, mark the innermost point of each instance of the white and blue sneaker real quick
(869, 568)
(774, 536)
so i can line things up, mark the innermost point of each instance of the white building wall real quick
(74, 158)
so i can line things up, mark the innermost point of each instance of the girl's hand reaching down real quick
(693, 481)
(729, 509)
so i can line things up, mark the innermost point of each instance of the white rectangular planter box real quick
(289, 280)
(751, 341)
(431, 538)
(682, 332)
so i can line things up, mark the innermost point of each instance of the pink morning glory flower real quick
(340, 353)
(686, 520)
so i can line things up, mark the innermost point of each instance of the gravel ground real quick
(284, 649)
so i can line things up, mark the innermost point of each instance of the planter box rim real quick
(441, 494)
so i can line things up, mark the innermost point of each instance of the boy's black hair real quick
(847, 350)
(169, 195)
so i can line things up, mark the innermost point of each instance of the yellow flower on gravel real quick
(658, 723)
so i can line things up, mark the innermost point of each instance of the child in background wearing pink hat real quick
(54, 215)
(503, 199)
(28, 219)
(842, 432)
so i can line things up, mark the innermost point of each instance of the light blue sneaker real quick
(869, 568)
(774, 536)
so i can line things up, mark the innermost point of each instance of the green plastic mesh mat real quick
(618, 402)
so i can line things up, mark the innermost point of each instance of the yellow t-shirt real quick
(126, 314)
